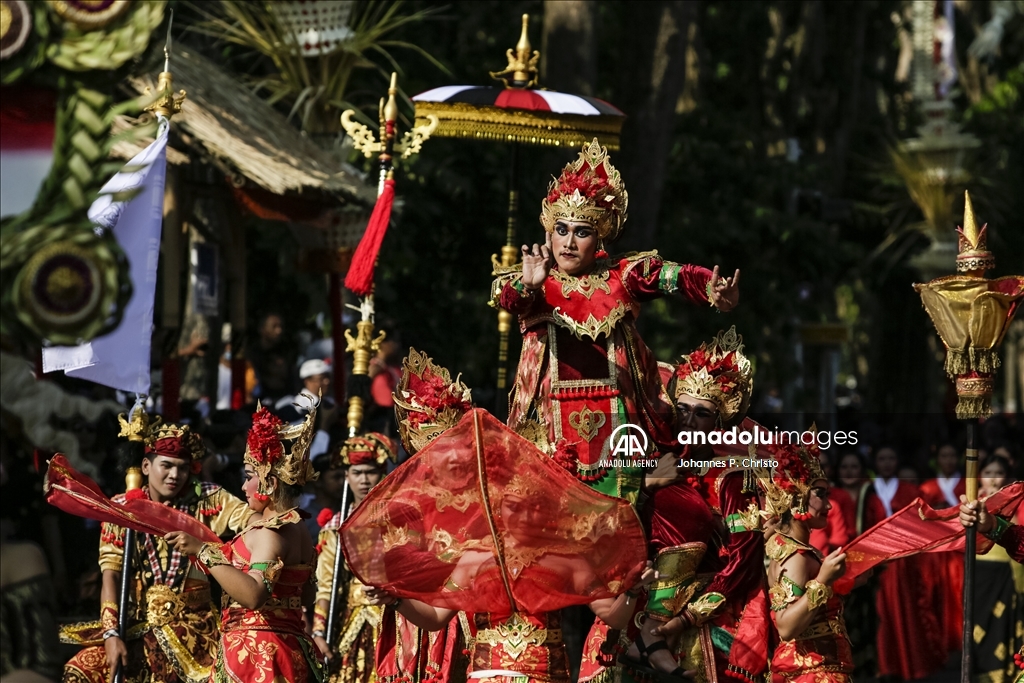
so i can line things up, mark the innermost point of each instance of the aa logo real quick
(628, 441)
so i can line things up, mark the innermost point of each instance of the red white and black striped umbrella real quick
(535, 117)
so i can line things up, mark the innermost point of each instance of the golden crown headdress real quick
(427, 401)
(718, 372)
(176, 441)
(370, 449)
(788, 488)
(590, 189)
(265, 449)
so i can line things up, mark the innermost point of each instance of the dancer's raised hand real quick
(536, 264)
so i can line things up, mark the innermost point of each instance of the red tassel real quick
(364, 261)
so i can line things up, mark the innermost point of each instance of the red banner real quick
(77, 494)
(918, 528)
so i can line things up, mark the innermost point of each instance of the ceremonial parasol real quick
(971, 313)
(520, 113)
(481, 520)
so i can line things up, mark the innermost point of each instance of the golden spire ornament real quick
(971, 313)
(167, 102)
(522, 63)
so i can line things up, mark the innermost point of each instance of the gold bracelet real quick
(817, 593)
(704, 607)
(109, 615)
(210, 555)
(319, 622)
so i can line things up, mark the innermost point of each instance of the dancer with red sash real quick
(265, 572)
(172, 634)
(481, 522)
(807, 612)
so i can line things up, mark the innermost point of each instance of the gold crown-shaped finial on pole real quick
(138, 427)
(522, 62)
(974, 257)
(167, 102)
(362, 137)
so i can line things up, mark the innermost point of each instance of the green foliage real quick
(804, 232)
(313, 87)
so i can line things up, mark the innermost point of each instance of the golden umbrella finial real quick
(522, 64)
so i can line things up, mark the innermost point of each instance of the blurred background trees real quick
(760, 136)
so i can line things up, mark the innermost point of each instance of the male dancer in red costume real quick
(584, 370)
(706, 534)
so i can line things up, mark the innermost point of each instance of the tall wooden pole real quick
(967, 660)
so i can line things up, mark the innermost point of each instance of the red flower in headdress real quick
(592, 184)
(263, 441)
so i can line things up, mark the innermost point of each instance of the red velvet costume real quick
(584, 370)
(731, 495)
(947, 568)
(714, 574)
(910, 640)
(1013, 540)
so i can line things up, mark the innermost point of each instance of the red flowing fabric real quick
(77, 494)
(919, 528)
(482, 521)
(360, 273)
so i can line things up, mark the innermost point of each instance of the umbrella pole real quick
(970, 548)
(508, 258)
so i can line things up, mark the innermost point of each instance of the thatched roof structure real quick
(224, 120)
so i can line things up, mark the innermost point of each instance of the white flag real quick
(121, 358)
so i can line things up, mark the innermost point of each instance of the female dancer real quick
(814, 647)
(265, 571)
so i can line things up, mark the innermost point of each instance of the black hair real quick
(889, 446)
(130, 454)
(993, 459)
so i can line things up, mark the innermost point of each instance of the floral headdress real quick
(265, 449)
(718, 372)
(370, 449)
(427, 401)
(591, 190)
(789, 486)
